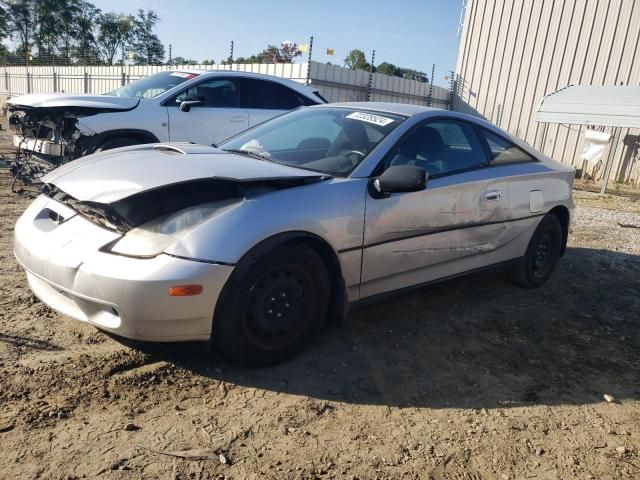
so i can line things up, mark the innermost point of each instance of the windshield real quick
(327, 140)
(153, 85)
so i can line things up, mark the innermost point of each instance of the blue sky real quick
(410, 33)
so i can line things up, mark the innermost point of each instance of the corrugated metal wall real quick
(513, 52)
(334, 83)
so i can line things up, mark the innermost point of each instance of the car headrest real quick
(425, 140)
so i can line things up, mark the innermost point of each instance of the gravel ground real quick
(469, 379)
(610, 220)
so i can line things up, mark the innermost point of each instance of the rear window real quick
(271, 96)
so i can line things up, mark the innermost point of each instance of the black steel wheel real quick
(273, 310)
(542, 254)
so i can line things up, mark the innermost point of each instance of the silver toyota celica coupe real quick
(255, 243)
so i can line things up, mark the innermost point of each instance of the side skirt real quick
(393, 293)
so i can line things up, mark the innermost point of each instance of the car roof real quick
(410, 110)
(294, 85)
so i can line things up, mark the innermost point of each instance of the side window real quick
(217, 92)
(503, 151)
(440, 147)
(268, 95)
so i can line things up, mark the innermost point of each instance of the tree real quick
(20, 21)
(411, 74)
(5, 30)
(182, 61)
(285, 53)
(356, 60)
(387, 68)
(145, 44)
(114, 32)
(72, 27)
(45, 27)
(86, 21)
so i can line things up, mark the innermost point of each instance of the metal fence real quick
(335, 83)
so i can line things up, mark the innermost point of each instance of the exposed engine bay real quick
(47, 137)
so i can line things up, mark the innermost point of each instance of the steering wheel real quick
(354, 161)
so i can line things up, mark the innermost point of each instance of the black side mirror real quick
(191, 101)
(399, 178)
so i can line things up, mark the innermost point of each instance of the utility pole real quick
(453, 86)
(430, 97)
(373, 58)
(309, 60)
(231, 53)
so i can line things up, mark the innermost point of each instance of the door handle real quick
(238, 118)
(493, 195)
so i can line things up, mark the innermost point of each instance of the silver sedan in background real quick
(257, 242)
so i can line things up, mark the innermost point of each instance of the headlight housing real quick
(154, 237)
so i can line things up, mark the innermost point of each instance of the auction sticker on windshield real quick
(370, 118)
(188, 76)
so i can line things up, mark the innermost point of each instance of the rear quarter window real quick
(504, 152)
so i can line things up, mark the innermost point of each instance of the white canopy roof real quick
(610, 106)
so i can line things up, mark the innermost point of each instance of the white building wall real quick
(513, 52)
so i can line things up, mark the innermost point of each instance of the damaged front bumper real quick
(60, 252)
(41, 146)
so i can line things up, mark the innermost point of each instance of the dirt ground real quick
(470, 379)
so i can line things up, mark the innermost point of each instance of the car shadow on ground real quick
(474, 342)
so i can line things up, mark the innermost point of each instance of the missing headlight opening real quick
(151, 221)
(46, 138)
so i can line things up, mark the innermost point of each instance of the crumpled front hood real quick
(63, 100)
(116, 174)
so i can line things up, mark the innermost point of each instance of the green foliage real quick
(145, 44)
(356, 60)
(114, 32)
(285, 53)
(182, 61)
(387, 68)
(75, 31)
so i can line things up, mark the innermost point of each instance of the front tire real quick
(541, 256)
(275, 308)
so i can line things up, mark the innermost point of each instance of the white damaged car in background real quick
(198, 106)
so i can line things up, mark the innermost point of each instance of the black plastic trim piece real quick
(201, 260)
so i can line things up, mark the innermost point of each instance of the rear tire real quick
(116, 142)
(274, 310)
(541, 256)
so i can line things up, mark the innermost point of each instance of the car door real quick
(221, 115)
(268, 99)
(454, 225)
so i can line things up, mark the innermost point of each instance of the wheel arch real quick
(338, 305)
(143, 136)
(564, 217)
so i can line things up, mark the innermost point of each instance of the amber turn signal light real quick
(185, 290)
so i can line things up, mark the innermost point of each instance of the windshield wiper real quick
(248, 153)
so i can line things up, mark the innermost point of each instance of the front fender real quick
(333, 210)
